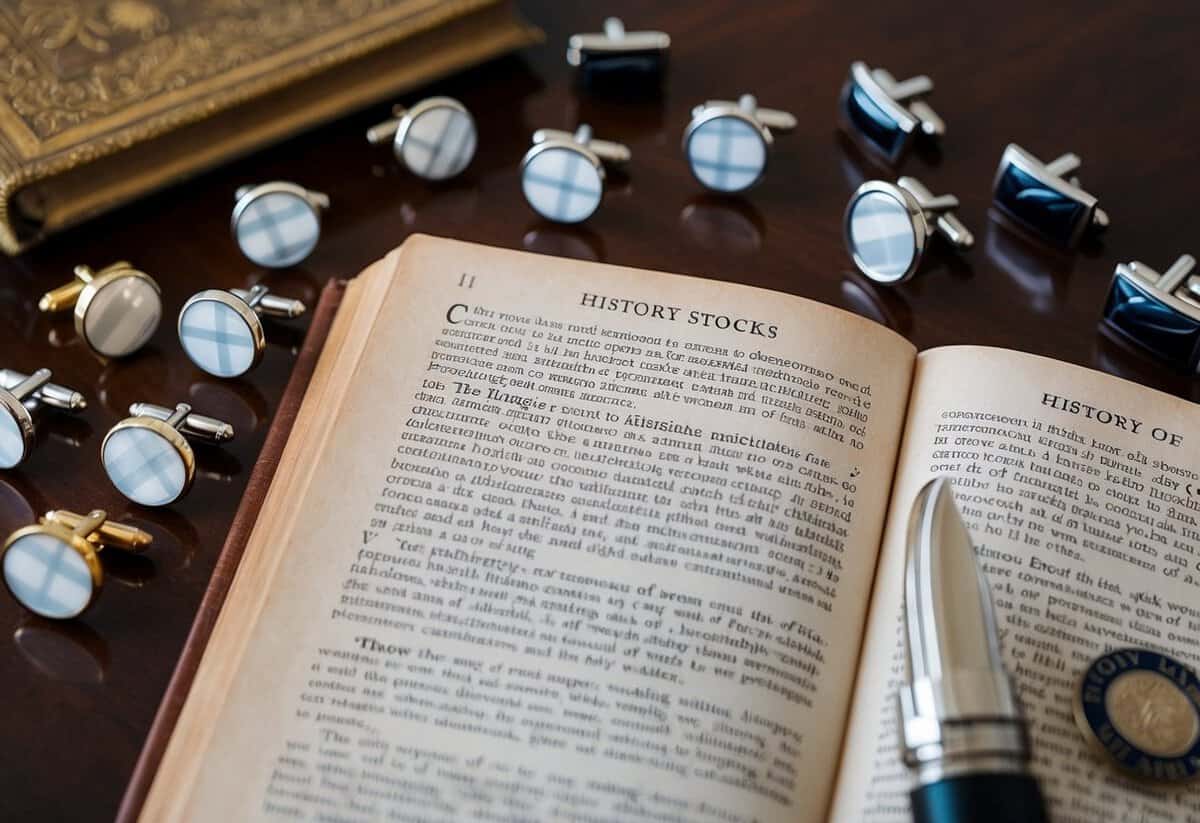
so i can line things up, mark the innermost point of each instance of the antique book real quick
(101, 102)
(554, 540)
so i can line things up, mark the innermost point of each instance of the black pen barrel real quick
(980, 798)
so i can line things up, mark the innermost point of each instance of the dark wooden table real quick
(1114, 84)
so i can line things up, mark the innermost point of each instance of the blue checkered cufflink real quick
(277, 224)
(21, 395)
(887, 115)
(562, 175)
(435, 139)
(618, 55)
(726, 143)
(1040, 198)
(147, 457)
(887, 227)
(221, 331)
(1158, 312)
(53, 569)
(117, 309)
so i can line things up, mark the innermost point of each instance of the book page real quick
(581, 543)
(1082, 494)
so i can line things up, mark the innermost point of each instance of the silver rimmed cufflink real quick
(1040, 197)
(20, 396)
(221, 331)
(726, 143)
(887, 227)
(1158, 312)
(435, 139)
(616, 53)
(562, 175)
(888, 114)
(117, 309)
(147, 457)
(277, 224)
(52, 568)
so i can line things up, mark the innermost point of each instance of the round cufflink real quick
(435, 139)
(277, 224)
(53, 568)
(727, 143)
(887, 227)
(20, 396)
(221, 331)
(147, 457)
(562, 175)
(117, 309)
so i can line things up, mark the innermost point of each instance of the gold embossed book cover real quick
(102, 101)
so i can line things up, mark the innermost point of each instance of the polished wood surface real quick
(1111, 83)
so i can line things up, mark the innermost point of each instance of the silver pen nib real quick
(958, 712)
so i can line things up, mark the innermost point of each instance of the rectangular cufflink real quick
(1158, 312)
(1038, 198)
(885, 114)
(617, 54)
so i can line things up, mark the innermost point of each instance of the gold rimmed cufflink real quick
(147, 457)
(277, 224)
(117, 309)
(20, 396)
(221, 331)
(435, 139)
(53, 568)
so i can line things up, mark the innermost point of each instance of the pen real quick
(961, 727)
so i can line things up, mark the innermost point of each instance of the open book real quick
(555, 540)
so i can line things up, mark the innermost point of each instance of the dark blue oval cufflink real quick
(615, 54)
(1158, 312)
(1040, 198)
(885, 114)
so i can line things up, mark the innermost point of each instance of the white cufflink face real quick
(276, 224)
(148, 461)
(117, 314)
(563, 182)
(221, 333)
(16, 431)
(885, 233)
(51, 572)
(436, 138)
(727, 150)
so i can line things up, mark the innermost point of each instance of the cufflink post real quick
(182, 419)
(905, 92)
(97, 529)
(1068, 164)
(384, 132)
(36, 389)
(262, 301)
(941, 207)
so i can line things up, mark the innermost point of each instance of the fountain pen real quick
(962, 731)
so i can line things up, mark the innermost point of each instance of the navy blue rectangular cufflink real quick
(1041, 199)
(1158, 312)
(616, 55)
(886, 115)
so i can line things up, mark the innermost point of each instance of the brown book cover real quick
(231, 553)
(102, 101)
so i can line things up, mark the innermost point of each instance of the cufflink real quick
(1040, 198)
(147, 457)
(117, 309)
(616, 53)
(277, 224)
(886, 114)
(52, 568)
(887, 226)
(221, 331)
(435, 139)
(726, 143)
(20, 396)
(562, 175)
(1159, 312)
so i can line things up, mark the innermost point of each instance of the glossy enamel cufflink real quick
(435, 139)
(1041, 199)
(20, 396)
(147, 457)
(221, 331)
(117, 309)
(277, 224)
(1159, 312)
(888, 226)
(885, 114)
(726, 143)
(53, 569)
(617, 54)
(562, 175)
